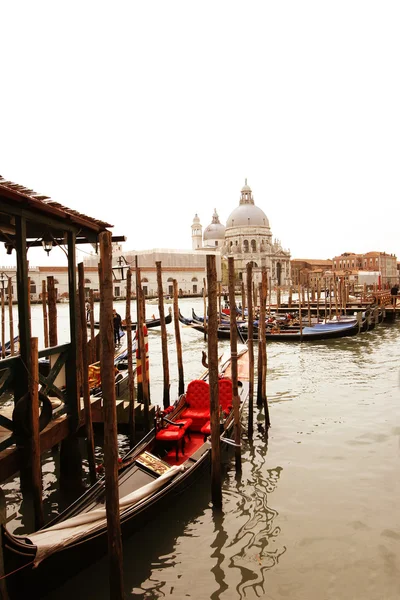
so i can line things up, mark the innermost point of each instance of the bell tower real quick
(197, 233)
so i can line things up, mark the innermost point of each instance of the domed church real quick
(248, 238)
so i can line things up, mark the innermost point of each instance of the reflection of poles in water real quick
(219, 542)
(252, 542)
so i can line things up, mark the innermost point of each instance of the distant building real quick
(384, 265)
(248, 238)
(309, 271)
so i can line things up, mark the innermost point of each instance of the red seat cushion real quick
(170, 434)
(198, 394)
(206, 429)
(185, 422)
(225, 393)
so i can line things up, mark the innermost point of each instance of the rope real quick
(16, 570)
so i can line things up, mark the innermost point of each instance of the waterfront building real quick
(307, 271)
(248, 238)
(383, 264)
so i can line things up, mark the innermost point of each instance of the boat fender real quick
(20, 416)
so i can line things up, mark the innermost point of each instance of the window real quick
(194, 279)
(194, 289)
(33, 287)
(170, 279)
(145, 280)
(117, 291)
(253, 246)
(145, 290)
(87, 280)
(246, 245)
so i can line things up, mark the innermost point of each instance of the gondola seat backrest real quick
(225, 395)
(198, 404)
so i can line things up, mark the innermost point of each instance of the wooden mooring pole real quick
(181, 379)
(216, 481)
(85, 375)
(94, 354)
(45, 317)
(3, 327)
(263, 348)
(234, 366)
(11, 317)
(205, 308)
(52, 302)
(36, 465)
(250, 345)
(131, 382)
(110, 419)
(164, 343)
(3, 519)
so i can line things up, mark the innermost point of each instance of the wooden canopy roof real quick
(45, 218)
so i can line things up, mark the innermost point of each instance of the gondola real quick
(162, 466)
(150, 323)
(317, 332)
(223, 332)
(224, 319)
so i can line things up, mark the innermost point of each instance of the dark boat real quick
(224, 319)
(319, 331)
(162, 466)
(150, 323)
(223, 333)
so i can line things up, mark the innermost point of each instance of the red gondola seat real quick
(198, 402)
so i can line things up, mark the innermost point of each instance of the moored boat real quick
(170, 458)
(150, 323)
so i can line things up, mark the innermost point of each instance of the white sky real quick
(144, 113)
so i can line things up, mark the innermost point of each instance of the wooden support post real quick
(270, 293)
(45, 318)
(290, 297)
(35, 435)
(255, 295)
(141, 362)
(318, 293)
(164, 343)
(326, 299)
(3, 327)
(94, 358)
(234, 366)
(300, 316)
(250, 345)
(264, 353)
(110, 419)
(52, 300)
(181, 381)
(278, 297)
(219, 302)
(139, 337)
(243, 298)
(336, 297)
(85, 375)
(309, 305)
(131, 382)
(11, 316)
(205, 308)
(216, 480)
(3, 519)
(259, 356)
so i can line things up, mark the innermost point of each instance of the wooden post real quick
(318, 292)
(164, 343)
(263, 348)
(254, 295)
(45, 318)
(259, 356)
(270, 293)
(205, 308)
(52, 300)
(35, 435)
(3, 327)
(234, 367)
(141, 362)
(181, 383)
(309, 305)
(11, 317)
(290, 297)
(336, 297)
(85, 375)
(219, 302)
(326, 299)
(243, 297)
(278, 297)
(250, 344)
(300, 318)
(131, 382)
(110, 419)
(330, 299)
(139, 337)
(3, 518)
(216, 481)
(94, 357)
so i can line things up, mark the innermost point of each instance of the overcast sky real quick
(144, 113)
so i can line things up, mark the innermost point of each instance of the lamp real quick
(47, 245)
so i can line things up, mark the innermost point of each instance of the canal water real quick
(315, 514)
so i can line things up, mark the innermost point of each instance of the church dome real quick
(247, 214)
(214, 231)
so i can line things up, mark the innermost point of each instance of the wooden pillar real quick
(259, 356)
(110, 419)
(336, 297)
(309, 304)
(131, 382)
(263, 349)
(85, 376)
(254, 295)
(269, 293)
(318, 293)
(52, 300)
(181, 381)
(21, 382)
(300, 316)
(35, 435)
(3, 327)
(45, 318)
(234, 367)
(205, 308)
(11, 316)
(216, 480)
(219, 302)
(326, 300)
(243, 296)
(94, 358)
(250, 344)
(164, 344)
(290, 297)
(278, 297)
